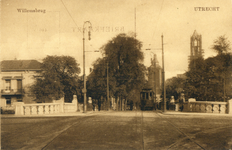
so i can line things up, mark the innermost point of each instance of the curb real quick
(193, 114)
(70, 114)
(90, 113)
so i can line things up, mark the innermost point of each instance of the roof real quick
(195, 35)
(20, 65)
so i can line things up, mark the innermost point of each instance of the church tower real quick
(155, 77)
(196, 50)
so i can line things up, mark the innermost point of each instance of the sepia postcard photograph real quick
(116, 75)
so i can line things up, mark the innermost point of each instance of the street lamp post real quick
(84, 91)
(107, 81)
(108, 85)
(163, 74)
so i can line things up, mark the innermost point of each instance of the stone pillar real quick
(34, 110)
(202, 107)
(40, 109)
(215, 108)
(223, 109)
(27, 110)
(56, 108)
(209, 108)
(193, 107)
(177, 107)
(51, 109)
(190, 107)
(74, 101)
(61, 102)
(229, 106)
(197, 107)
(46, 109)
(19, 108)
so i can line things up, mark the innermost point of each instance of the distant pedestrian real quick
(181, 102)
(93, 107)
(99, 105)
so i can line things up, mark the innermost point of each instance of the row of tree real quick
(58, 78)
(126, 73)
(208, 79)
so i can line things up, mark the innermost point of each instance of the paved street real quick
(118, 130)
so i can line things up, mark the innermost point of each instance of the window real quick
(150, 98)
(195, 42)
(8, 84)
(8, 102)
(143, 95)
(19, 85)
(19, 99)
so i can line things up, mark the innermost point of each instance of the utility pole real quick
(84, 91)
(224, 89)
(163, 72)
(155, 81)
(153, 72)
(108, 84)
(135, 23)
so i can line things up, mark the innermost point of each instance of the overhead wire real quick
(68, 12)
(158, 19)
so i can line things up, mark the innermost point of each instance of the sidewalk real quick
(89, 113)
(170, 112)
(69, 114)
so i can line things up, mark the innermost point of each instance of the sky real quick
(55, 28)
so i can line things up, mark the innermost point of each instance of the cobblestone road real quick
(118, 130)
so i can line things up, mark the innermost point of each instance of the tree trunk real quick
(125, 105)
(108, 104)
(117, 99)
(120, 100)
(105, 103)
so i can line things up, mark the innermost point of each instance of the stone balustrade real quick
(57, 106)
(71, 107)
(206, 107)
(36, 109)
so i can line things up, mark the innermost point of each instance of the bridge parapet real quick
(36, 109)
(58, 106)
(208, 107)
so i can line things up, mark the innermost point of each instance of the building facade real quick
(16, 78)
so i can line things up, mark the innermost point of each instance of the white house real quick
(16, 76)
